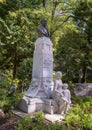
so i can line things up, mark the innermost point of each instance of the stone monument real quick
(38, 95)
(42, 64)
(42, 94)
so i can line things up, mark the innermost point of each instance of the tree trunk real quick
(84, 72)
(15, 61)
(80, 75)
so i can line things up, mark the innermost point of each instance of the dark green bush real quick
(8, 95)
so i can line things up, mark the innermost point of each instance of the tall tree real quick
(83, 18)
(18, 33)
(7, 6)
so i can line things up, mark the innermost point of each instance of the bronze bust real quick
(43, 30)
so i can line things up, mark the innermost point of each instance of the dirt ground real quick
(8, 124)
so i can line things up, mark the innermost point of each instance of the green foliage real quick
(39, 117)
(24, 123)
(57, 126)
(70, 24)
(67, 52)
(7, 6)
(80, 116)
(8, 95)
(24, 71)
(27, 123)
(18, 34)
(83, 20)
(71, 51)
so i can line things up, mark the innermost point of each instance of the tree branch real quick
(60, 25)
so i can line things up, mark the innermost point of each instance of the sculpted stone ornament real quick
(58, 82)
(57, 92)
(48, 88)
(66, 96)
(61, 95)
(33, 89)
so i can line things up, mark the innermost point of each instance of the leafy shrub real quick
(39, 117)
(57, 126)
(27, 123)
(80, 116)
(24, 70)
(8, 95)
(24, 123)
(36, 123)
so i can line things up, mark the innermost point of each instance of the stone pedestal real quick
(30, 105)
(43, 59)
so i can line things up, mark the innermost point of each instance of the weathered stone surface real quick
(30, 105)
(84, 89)
(42, 69)
(62, 97)
(43, 58)
(41, 86)
(54, 118)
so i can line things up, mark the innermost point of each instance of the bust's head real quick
(44, 22)
(43, 30)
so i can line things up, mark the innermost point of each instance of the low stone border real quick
(83, 89)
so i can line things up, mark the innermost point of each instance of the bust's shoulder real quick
(40, 27)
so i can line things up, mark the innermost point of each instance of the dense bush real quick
(9, 97)
(80, 116)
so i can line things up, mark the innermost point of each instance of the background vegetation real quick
(70, 24)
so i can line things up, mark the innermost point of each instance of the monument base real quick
(49, 118)
(30, 105)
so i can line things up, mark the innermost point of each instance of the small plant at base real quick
(39, 116)
(24, 123)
